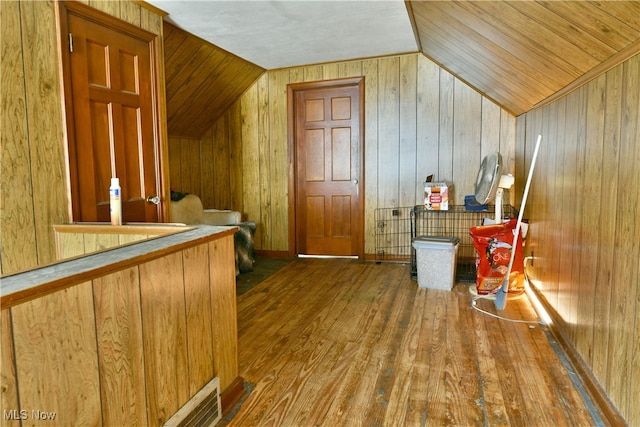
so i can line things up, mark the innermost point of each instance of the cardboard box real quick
(436, 196)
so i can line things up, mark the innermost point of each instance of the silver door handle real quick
(355, 181)
(153, 200)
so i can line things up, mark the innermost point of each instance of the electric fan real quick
(491, 184)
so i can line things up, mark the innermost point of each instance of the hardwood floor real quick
(345, 342)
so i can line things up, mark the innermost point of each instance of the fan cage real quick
(396, 228)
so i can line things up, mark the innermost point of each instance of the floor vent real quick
(202, 410)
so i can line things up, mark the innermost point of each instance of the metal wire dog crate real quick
(397, 227)
(454, 222)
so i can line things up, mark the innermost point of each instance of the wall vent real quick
(203, 409)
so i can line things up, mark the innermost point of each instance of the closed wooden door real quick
(112, 128)
(328, 139)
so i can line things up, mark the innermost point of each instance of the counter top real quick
(29, 284)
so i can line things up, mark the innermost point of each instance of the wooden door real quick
(328, 168)
(109, 78)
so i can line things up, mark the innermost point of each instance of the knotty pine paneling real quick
(419, 120)
(33, 162)
(585, 236)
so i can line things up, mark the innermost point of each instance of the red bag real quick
(493, 252)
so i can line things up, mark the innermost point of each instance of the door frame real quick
(291, 137)
(63, 10)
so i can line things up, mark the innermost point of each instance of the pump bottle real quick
(115, 203)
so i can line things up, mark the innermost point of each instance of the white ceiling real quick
(279, 34)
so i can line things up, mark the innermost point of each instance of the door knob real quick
(355, 181)
(153, 200)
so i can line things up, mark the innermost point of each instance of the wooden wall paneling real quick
(584, 225)
(371, 142)
(106, 6)
(207, 167)
(130, 12)
(628, 226)
(97, 242)
(236, 183)
(388, 132)
(120, 348)
(296, 75)
(223, 297)
(8, 382)
(388, 173)
(594, 188)
(507, 147)
(562, 210)
(164, 333)
(264, 164)
(221, 175)
(466, 141)
(251, 160)
(551, 209)
(330, 71)
(427, 117)
(16, 210)
(407, 166)
(69, 245)
(44, 113)
(55, 350)
(194, 172)
(279, 177)
(175, 164)
(576, 105)
(490, 141)
(198, 301)
(621, 160)
(445, 133)
(313, 73)
(569, 140)
(349, 69)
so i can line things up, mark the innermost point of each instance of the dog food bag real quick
(493, 253)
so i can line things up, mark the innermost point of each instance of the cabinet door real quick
(112, 131)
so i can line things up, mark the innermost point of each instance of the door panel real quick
(111, 76)
(328, 170)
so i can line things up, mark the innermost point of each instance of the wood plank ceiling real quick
(520, 53)
(202, 81)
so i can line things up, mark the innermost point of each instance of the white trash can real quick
(436, 261)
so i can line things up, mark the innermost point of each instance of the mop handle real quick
(521, 213)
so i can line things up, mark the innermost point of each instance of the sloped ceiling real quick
(518, 53)
(202, 81)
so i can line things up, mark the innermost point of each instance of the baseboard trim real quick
(597, 394)
(232, 395)
(272, 254)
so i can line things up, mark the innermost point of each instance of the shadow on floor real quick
(262, 269)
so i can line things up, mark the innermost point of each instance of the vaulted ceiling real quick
(517, 53)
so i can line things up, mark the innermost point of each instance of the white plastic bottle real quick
(115, 203)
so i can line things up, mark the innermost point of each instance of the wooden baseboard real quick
(232, 395)
(592, 386)
(273, 254)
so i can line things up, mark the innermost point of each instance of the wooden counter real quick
(124, 336)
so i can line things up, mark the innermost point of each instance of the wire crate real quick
(393, 234)
(454, 222)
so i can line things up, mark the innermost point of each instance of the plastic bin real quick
(436, 261)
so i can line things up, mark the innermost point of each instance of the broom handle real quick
(505, 285)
